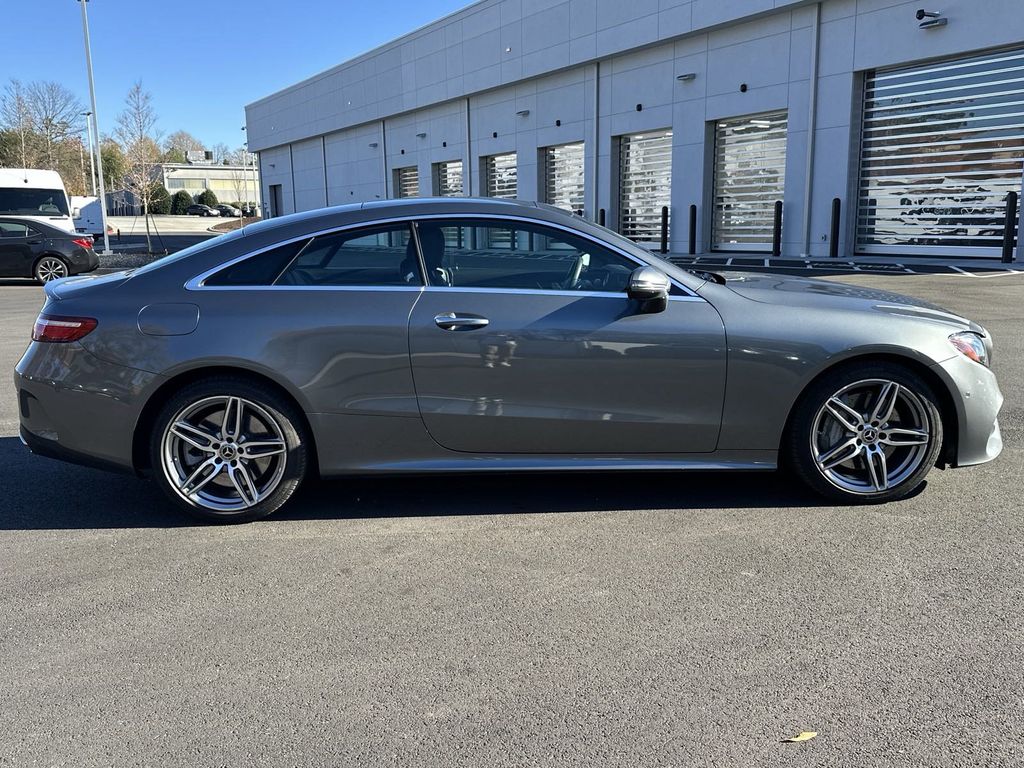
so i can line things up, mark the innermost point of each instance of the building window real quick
(500, 175)
(407, 182)
(942, 144)
(448, 178)
(645, 184)
(563, 176)
(749, 177)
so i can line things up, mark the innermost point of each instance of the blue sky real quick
(202, 61)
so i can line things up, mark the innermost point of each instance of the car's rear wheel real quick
(50, 268)
(228, 450)
(867, 433)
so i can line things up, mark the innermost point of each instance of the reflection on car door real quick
(534, 347)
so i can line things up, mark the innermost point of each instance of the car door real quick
(17, 248)
(525, 341)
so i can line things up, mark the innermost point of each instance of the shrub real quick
(206, 197)
(180, 203)
(160, 200)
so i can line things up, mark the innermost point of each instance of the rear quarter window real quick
(261, 269)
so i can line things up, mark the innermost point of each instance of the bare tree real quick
(179, 144)
(139, 139)
(240, 184)
(221, 152)
(17, 118)
(57, 117)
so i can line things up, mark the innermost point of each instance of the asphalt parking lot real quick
(631, 620)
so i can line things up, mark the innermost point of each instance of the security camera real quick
(923, 14)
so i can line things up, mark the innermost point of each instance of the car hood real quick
(792, 291)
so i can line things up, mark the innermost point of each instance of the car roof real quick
(408, 206)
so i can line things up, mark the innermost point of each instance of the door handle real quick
(449, 321)
(35, 242)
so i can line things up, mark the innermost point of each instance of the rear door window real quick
(12, 229)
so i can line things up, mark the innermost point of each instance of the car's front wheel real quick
(865, 433)
(228, 450)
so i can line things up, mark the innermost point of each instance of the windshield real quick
(24, 201)
(191, 250)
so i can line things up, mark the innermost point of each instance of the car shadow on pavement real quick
(41, 494)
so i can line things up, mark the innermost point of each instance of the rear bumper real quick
(978, 400)
(75, 407)
(85, 263)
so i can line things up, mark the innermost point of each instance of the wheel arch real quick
(156, 399)
(947, 406)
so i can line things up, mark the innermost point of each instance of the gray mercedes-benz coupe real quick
(465, 335)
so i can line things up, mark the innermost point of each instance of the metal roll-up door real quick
(941, 146)
(501, 175)
(749, 176)
(563, 176)
(407, 182)
(500, 180)
(449, 178)
(645, 184)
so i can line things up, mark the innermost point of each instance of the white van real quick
(88, 217)
(35, 194)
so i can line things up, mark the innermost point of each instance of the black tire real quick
(805, 431)
(268, 403)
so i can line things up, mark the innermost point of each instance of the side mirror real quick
(76, 213)
(650, 287)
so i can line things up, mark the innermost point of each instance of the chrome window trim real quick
(544, 292)
(197, 283)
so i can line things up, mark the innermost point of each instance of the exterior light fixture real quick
(421, 135)
(930, 19)
(523, 112)
(373, 144)
(687, 77)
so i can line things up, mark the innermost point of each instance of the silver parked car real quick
(462, 335)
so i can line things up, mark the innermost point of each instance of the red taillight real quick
(61, 329)
(85, 242)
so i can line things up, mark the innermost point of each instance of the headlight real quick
(971, 345)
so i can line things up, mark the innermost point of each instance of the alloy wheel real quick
(224, 453)
(50, 268)
(870, 436)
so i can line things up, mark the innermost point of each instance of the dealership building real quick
(874, 127)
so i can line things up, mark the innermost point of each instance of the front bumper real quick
(75, 407)
(978, 400)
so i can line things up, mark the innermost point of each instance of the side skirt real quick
(705, 462)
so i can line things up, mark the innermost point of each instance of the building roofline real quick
(411, 35)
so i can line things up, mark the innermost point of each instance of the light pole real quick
(92, 156)
(96, 124)
(256, 192)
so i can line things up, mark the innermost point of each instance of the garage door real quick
(407, 182)
(449, 178)
(942, 145)
(563, 176)
(500, 173)
(645, 184)
(750, 175)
